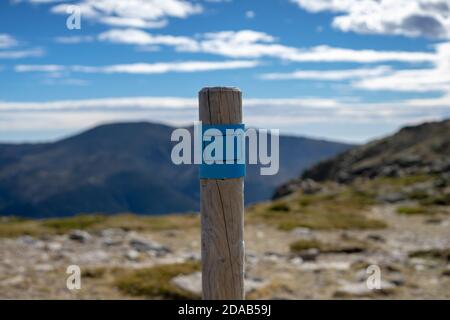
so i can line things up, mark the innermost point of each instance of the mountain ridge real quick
(413, 150)
(125, 167)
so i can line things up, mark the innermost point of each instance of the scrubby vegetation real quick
(411, 210)
(12, 227)
(155, 282)
(443, 254)
(339, 209)
(345, 246)
(301, 245)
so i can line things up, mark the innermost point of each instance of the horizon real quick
(87, 129)
(319, 69)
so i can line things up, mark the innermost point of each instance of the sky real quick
(347, 70)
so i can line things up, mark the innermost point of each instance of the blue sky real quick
(349, 70)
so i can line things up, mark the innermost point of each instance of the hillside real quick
(125, 167)
(414, 150)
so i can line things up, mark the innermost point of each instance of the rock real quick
(27, 240)
(307, 186)
(171, 233)
(396, 279)
(143, 245)
(132, 255)
(273, 256)
(296, 261)
(80, 236)
(360, 289)
(109, 242)
(301, 232)
(325, 265)
(433, 221)
(309, 254)
(112, 232)
(190, 256)
(376, 237)
(44, 267)
(191, 283)
(12, 281)
(393, 197)
(253, 284)
(251, 258)
(446, 272)
(92, 257)
(53, 246)
(112, 237)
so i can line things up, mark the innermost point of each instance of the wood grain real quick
(222, 208)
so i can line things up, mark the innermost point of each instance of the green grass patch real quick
(341, 209)
(155, 282)
(443, 254)
(11, 228)
(279, 206)
(401, 181)
(438, 200)
(301, 245)
(14, 227)
(344, 246)
(83, 222)
(412, 210)
(94, 273)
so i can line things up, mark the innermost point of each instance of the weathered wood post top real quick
(222, 202)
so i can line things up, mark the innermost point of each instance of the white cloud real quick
(289, 115)
(250, 14)
(19, 54)
(74, 39)
(139, 37)
(436, 78)
(7, 41)
(104, 104)
(329, 75)
(133, 13)
(143, 68)
(254, 44)
(40, 1)
(412, 18)
(11, 48)
(331, 54)
(39, 68)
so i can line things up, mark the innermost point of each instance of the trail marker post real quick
(222, 202)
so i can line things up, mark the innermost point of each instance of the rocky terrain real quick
(366, 212)
(303, 246)
(422, 149)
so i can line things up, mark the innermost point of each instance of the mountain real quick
(414, 150)
(125, 167)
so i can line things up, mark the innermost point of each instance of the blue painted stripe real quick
(224, 170)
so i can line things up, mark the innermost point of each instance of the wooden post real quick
(222, 208)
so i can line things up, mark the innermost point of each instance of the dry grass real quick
(155, 282)
(344, 246)
(14, 227)
(342, 209)
(412, 210)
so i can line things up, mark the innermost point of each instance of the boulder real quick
(80, 236)
(144, 245)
